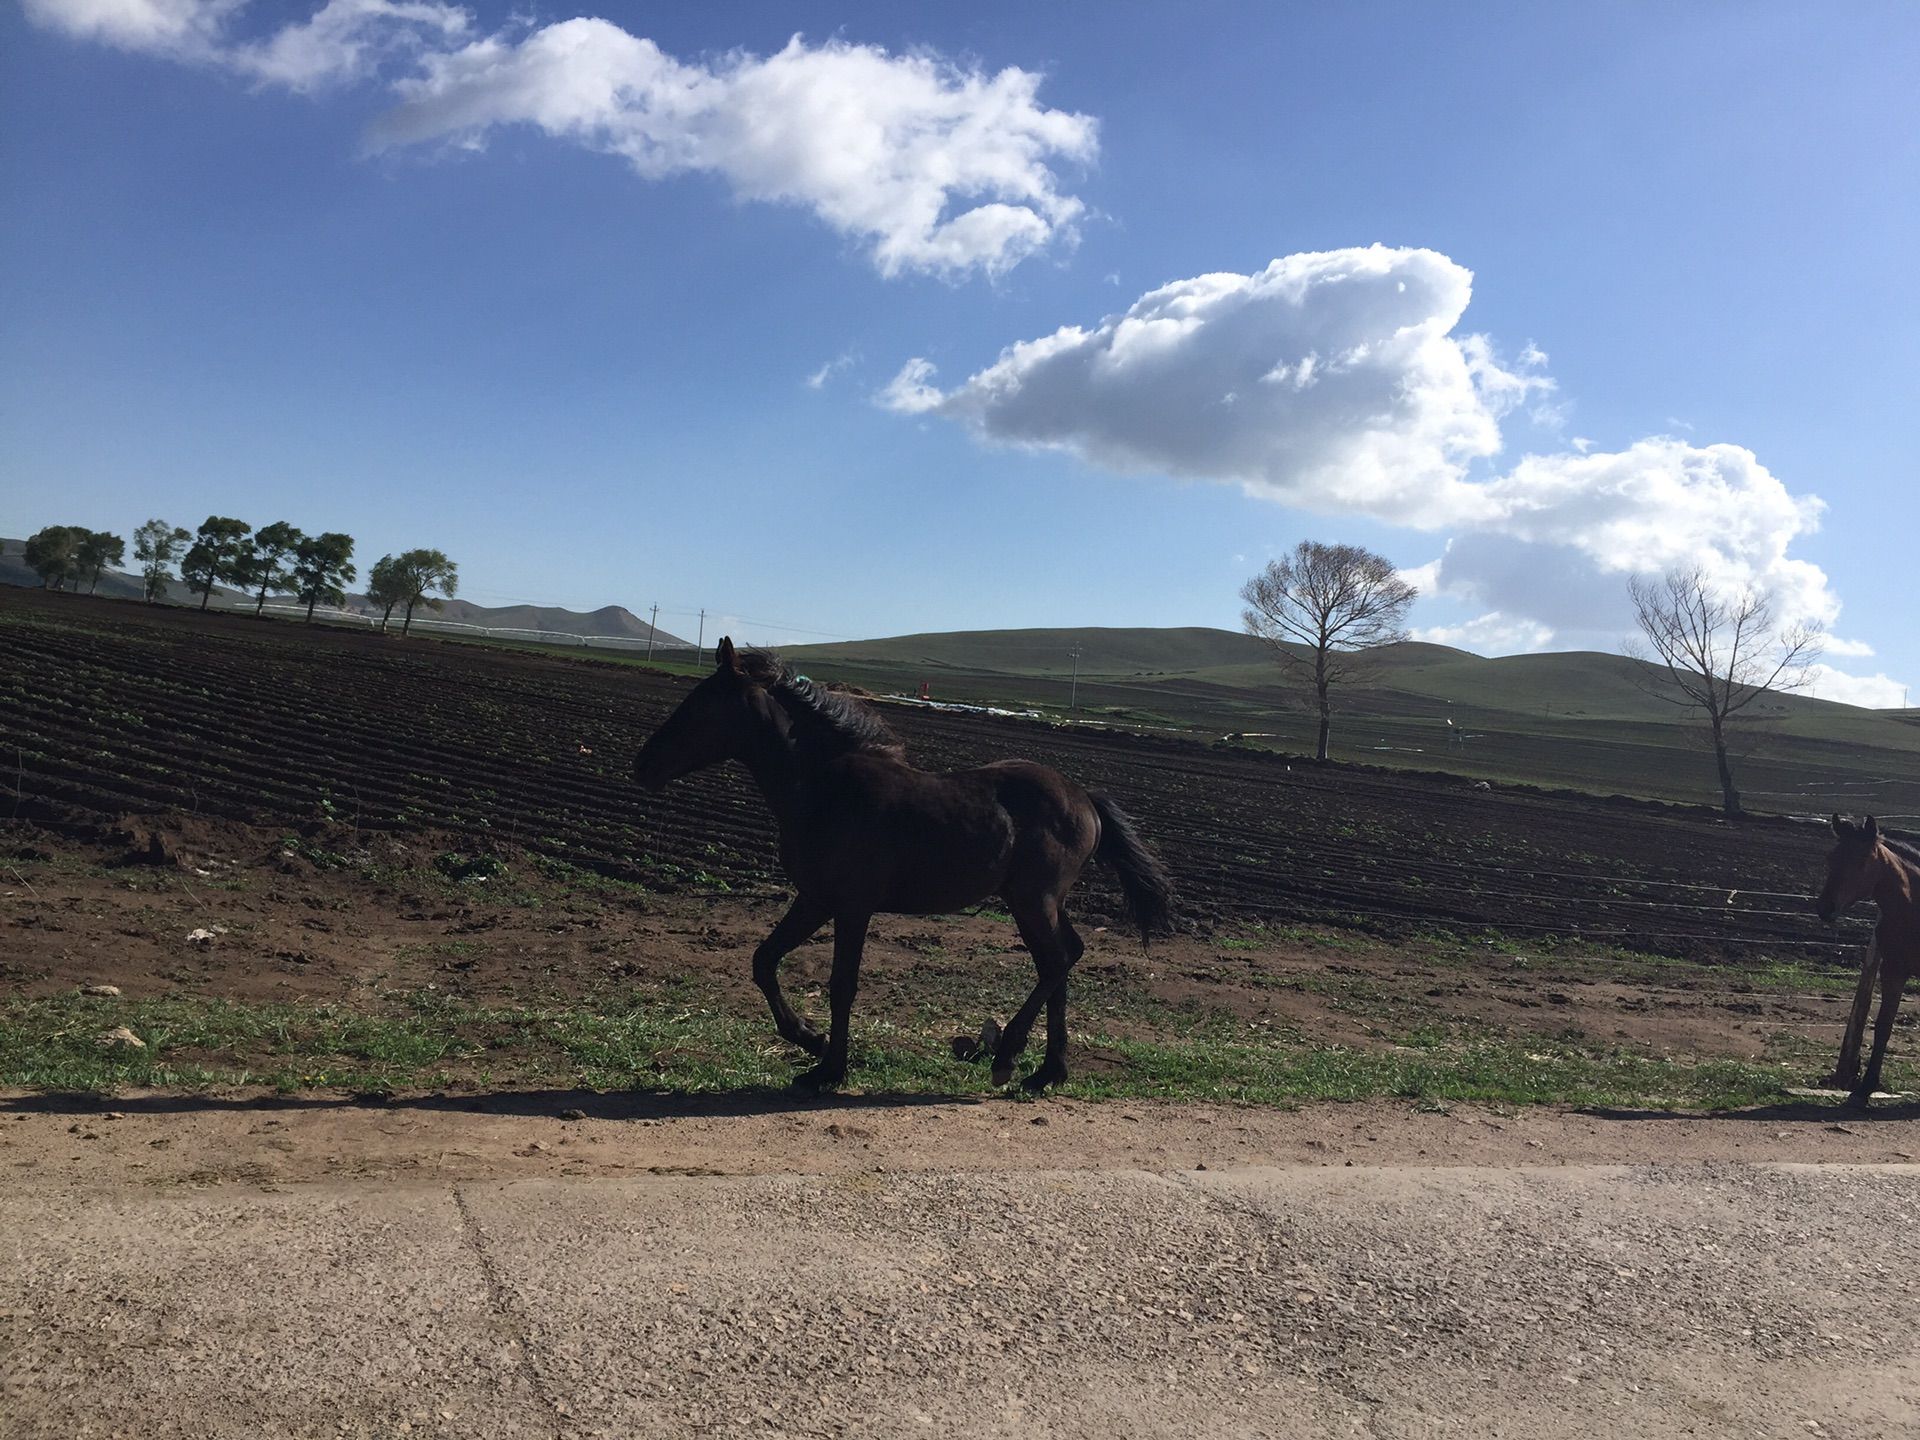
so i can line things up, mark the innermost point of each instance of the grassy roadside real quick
(424, 1040)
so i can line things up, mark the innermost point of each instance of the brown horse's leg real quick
(1039, 923)
(1892, 981)
(1847, 1070)
(803, 917)
(1053, 1069)
(849, 938)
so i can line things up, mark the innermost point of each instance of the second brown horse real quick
(863, 832)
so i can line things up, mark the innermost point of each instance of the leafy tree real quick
(266, 567)
(1319, 608)
(1721, 652)
(386, 587)
(420, 572)
(54, 554)
(321, 571)
(156, 545)
(220, 555)
(97, 550)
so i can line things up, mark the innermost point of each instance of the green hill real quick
(1580, 719)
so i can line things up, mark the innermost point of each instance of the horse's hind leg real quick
(803, 917)
(849, 939)
(1043, 928)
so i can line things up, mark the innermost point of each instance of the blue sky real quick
(550, 297)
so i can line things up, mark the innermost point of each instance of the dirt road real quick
(575, 1265)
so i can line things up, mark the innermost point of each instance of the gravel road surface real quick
(507, 1294)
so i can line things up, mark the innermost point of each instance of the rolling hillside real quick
(1580, 719)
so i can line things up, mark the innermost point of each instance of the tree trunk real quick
(94, 588)
(1729, 797)
(1326, 707)
(261, 603)
(206, 595)
(406, 626)
(310, 604)
(385, 618)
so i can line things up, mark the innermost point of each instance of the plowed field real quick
(111, 708)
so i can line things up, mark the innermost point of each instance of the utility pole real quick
(652, 626)
(1073, 694)
(700, 645)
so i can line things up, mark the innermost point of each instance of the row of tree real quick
(63, 555)
(276, 559)
(1324, 607)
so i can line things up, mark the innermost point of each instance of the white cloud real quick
(1327, 380)
(819, 378)
(933, 166)
(1834, 645)
(187, 29)
(936, 167)
(343, 40)
(1876, 692)
(1491, 634)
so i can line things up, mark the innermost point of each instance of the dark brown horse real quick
(863, 832)
(1867, 865)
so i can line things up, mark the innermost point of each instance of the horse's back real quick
(919, 840)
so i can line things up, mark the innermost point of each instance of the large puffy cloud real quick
(1335, 382)
(939, 168)
(1329, 380)
(934, 167)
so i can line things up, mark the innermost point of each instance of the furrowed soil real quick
(109, 709)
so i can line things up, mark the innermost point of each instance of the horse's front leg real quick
(849, 939)
(1846, 1071)
(803, 917)
(1892, 982)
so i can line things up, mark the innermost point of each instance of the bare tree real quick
(1319, 607)
(1721, 651)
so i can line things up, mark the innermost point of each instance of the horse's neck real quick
(778, 766)
(1898, 888)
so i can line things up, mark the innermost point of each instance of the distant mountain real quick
(609, 622)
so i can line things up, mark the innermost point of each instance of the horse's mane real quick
(824, 720)
(1905, 849)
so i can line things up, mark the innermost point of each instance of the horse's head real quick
(717, 722)
(1853, 867)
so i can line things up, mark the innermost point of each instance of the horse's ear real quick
(1871, 830)
(724, 655)
(1838, 825)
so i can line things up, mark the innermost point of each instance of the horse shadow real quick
(1902, 1108)
(557, 1104)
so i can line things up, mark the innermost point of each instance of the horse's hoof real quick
(821, 1077)
(1043, 1078)
(1002, 1072)
(1859, 1098)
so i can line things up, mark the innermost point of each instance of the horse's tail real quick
(1143, 879)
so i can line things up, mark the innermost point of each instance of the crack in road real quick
(500, 1297)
